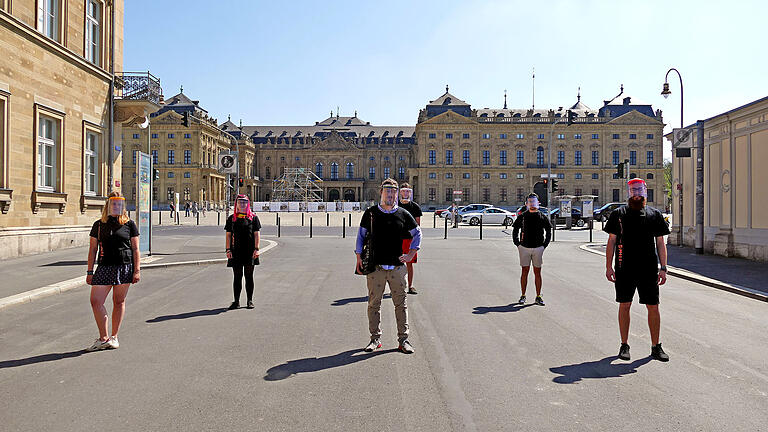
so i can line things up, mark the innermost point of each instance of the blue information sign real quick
(143, 173)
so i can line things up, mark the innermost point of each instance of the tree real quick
(668, 183)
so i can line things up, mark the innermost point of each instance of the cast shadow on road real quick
(342, 302)
(185, 315)
(604, 368)
(512, 307)
(314, 364)
(41, 359)
(64, 264)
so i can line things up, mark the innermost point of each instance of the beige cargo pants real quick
(377, 281)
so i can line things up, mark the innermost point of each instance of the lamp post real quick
(665, 92)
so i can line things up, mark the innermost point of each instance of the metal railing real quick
(546, 120)
(137, 86)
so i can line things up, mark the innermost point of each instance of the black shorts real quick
(644, 281)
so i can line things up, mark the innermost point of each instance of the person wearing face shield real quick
(242, 246)
(406, 202)
(388, 225)
(531, 233)
(636, 260)
(114, 245)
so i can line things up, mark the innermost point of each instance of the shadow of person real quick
(314, 364)
(342, 302)
(513, 307)
(604, 368)
(185, 315)
(41, 358)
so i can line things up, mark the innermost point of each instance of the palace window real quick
(502, 157)
(93, 31)
(92, 162)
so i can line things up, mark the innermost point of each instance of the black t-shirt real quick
(243, 236)
(412, 208)
(533, 228)
(114, 240)
(389, 230)
(636, 233)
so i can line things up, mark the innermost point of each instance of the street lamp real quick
(665, 92)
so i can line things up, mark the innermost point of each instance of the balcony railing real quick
(137, 86)
(540, 119)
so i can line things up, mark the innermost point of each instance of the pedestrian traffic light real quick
(554, 185)
(155, 174)
(240, 182)
(185, 119)
(571, 117)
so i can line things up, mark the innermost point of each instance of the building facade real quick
(735, 200)
(499, 155)
(55, 78)
(186, 157)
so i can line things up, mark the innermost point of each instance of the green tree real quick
(668, 182)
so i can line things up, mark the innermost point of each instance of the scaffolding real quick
(297, 184)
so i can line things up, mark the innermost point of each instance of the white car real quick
(490, 215)
(467, 209)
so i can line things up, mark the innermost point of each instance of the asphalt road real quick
(295, 363)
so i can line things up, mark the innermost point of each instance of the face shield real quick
(532, 203)
(116, 206)
(406, 195)
(637, 188)
(241, 206)
(389, 195)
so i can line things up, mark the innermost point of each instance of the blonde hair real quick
(122, 219)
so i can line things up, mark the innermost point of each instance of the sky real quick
(292, 63)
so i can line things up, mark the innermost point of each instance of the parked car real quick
(490, 215)
(465, 209)
(522, 209)
(603, 212)
(576, 217)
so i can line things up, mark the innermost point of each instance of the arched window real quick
(649, 176)
(350, 170)
(334, 171)
(319, 169)
(500, 115)
(267, 173)
(540, 155)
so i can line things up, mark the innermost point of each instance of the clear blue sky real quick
(291, 63)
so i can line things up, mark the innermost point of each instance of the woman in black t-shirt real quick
(116, 240)
(243, 238)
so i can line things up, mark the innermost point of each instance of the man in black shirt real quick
(406, 202)
(531, 233)
(636, 236)
(388, 225)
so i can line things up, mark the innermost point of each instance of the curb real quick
(695, 277)
(70, 284)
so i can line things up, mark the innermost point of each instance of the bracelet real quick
(89, 272)
(663, 268)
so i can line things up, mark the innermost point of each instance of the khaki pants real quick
(377, 281)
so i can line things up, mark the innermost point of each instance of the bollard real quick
(278, 225)
(590, 230)
(446, 229)
(302, 219)
(481, 227)
(197, 215)
(434, 220)
(310, 227)
(350, 220)
(277, 218)
(554, 227)
(178, 219)
(160, 217)
(218, 219)
(327, 220)
(343, 229)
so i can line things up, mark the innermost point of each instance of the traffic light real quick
(620, 170)
(185, 119)
(571, 117)
(240, 182)
(155, 174)
(554, 185)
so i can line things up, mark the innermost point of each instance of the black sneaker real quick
(234, 306)
(412, 290)
(522, 300)
(250, 305)
(539, 301)
(624, 352)
(375, 344)
(658, 354)
(405, 347)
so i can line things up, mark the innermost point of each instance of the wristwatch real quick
(663, 268)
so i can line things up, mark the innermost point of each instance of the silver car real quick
(490, 215)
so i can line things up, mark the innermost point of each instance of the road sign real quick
(549, 176)
(682, 138)
(228, 163)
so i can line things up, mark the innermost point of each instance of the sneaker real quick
(99, 345)
(250, 305)
(412, 290)
(539, 301)
(234, 306)
(113, 342)
(624, 352)
(375, 344)
(522, 300)
(405, 347)
(658, 354)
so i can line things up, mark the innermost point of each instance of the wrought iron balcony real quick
(137, 86)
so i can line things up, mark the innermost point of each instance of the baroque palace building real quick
(498, 155)
(60, 71)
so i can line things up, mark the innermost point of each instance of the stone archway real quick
(349, 194)
(333, 195)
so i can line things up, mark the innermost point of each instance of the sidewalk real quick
(713, 270)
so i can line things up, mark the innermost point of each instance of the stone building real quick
(58, 63)
(498, 155)
(735, 198)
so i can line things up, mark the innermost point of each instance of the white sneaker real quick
(113, 342)
(99, 345)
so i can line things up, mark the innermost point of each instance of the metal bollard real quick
(197, 215)
(350, 220)
(277, 218)
(327, 219)
(481, 227)
(160, 217)
(446, 228)
(310, 227)
(343, 229)
(302, 219)
(590, 230)
(278, 225)
(434, 220)
(218, 220)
